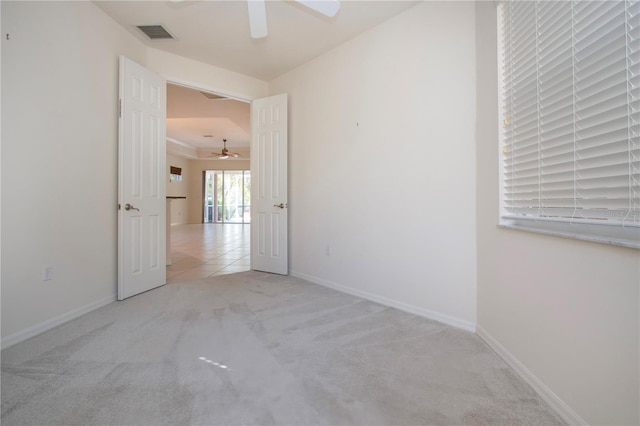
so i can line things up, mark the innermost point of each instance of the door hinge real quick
(118, 206)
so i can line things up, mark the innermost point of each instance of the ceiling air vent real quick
(156, 32)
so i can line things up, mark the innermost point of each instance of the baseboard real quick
(412, 309)
(53, 322)
(563, 410)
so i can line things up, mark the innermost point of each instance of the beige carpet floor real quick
(254, 348)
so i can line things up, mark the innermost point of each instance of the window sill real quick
(629, 237)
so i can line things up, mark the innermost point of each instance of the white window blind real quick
(571, 117)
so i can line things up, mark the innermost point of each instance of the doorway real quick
(259, 131)
(227, 196)
(198, 121)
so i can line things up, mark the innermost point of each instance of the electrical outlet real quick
(47, 273)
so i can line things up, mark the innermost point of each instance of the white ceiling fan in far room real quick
(258, 13)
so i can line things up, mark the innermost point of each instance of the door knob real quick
(281, 205)
(130, 207)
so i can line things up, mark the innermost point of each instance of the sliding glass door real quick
(227, 196)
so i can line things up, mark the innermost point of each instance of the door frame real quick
(216, 91)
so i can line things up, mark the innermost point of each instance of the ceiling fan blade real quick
(257, 18)
(326, 7)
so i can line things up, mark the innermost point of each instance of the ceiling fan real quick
(224, 154)
(258, 13)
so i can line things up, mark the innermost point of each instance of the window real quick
(227, 196)
(570, 106)
(175, 174)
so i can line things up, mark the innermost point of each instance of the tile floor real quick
(208, 249)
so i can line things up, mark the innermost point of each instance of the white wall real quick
(192, 73)
(565, 310)
(179, 207)
(196, 175)
(59, 158)
(382, 163)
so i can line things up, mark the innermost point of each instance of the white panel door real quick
(141, 185)
(269, 251)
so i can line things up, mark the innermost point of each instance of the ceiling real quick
(217, 33)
